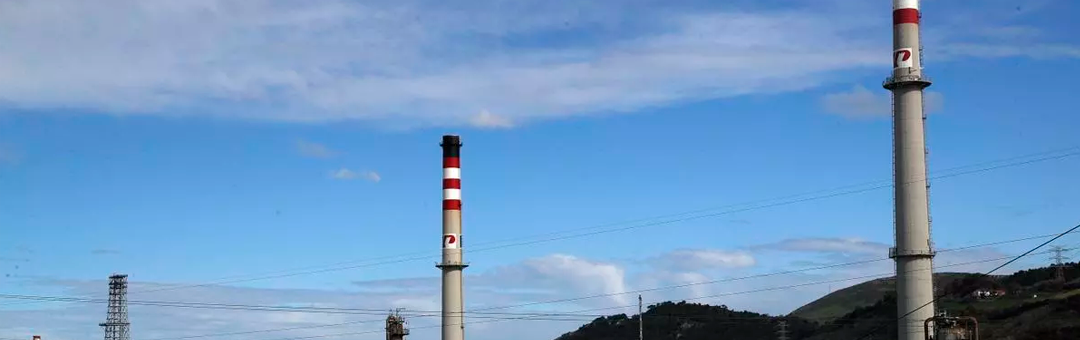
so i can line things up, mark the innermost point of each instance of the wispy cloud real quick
(104, 252)
(703, 259)
(562, 272)
(1033, 50)
(412, 61)
(486, 119)
(314, 150)
(539, 279)
(862, 103)
(828, 245)
(346, 174)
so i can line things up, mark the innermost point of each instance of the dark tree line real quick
(1017, 316)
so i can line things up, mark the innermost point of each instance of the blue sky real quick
(189, 142)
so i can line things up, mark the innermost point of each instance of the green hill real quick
(1055, 316)
(841, 302)
(1034, 307)
(688, 321)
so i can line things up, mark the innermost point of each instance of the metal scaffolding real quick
(116, 323)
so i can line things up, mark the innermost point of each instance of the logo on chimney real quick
(902, 58)
(451, 241)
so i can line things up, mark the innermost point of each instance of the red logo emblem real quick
(902, 58)
(451, 241)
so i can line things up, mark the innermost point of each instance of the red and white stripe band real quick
(898, 4)
(905, 12)
(451, 183)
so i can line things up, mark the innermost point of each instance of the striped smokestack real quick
(914, 252)
(906, 45)
(451, 172)
(453, 318)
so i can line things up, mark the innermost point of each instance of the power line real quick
(525, 318)
(495, 319)
(240, 307)
(935, 299)
(477, 313)
(880, 275)
(381, 311)
(777, 288)
(603, 228)
(794, 271)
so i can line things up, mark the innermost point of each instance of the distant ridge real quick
(843, 301)
(1033, 306)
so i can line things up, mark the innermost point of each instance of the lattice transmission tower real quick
(116, 323)
(1059, 261)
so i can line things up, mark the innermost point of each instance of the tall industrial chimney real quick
(453, 318)
(914, 252)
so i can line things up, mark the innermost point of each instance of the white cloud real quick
(1031, 50)
(561, 272)
(486, 119)
(430, 64)
(314, 150)
(545, 278)
(343, 173)
(346, 174)
(858, 103)
(703, 259)
(559, 275)
(372, 176)
(830, 245)
(861, 103)
(962, 260)
(102, 251)
(151, 322)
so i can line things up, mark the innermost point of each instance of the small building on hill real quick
(988, 293)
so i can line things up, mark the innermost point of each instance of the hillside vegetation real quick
(688, 321)
(838, 303)
(1034, 307)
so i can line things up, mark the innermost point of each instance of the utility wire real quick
(935, 299)
(1075, 151)
(473, 312)
(785, 287)
(876, 276)
(575, 317)
(242, 307)
(1069, 151)
(603, 228)
(698, 283)
(481, 311)
(881, 275)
